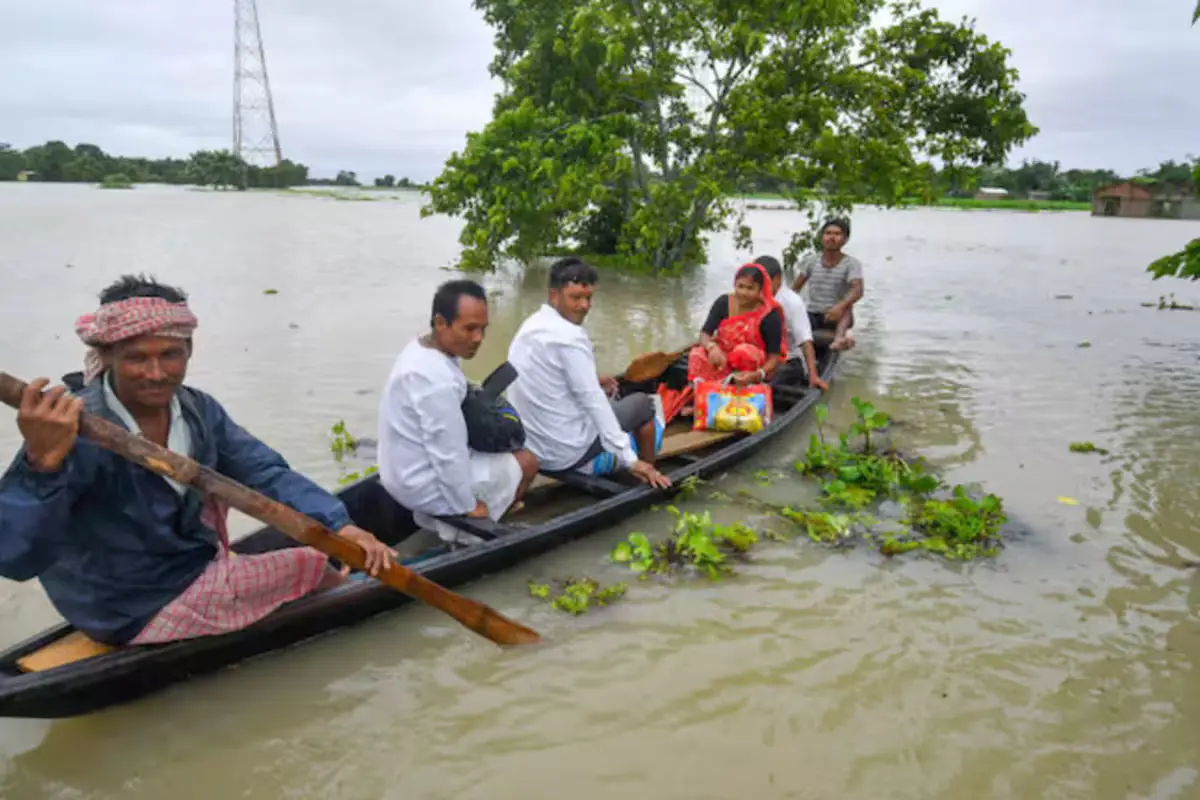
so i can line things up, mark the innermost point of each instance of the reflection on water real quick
(1065, 668)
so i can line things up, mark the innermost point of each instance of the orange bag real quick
(722, 406)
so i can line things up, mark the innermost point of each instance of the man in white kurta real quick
(801, 366)
(425, 463)
(570, 423)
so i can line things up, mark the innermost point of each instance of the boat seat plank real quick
(675, 444)
(75, 646)
(691, 441)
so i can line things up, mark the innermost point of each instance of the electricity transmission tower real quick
(255, 134)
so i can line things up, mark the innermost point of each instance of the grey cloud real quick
(394, 87)
(1106, 81)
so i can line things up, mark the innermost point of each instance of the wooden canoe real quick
(63, 673)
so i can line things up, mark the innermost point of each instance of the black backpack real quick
(493, 426)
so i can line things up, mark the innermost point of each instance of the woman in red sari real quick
(744, 333)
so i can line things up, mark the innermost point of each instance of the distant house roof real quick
(996, 190)
(1146, 190)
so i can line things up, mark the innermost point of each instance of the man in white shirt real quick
(801, 366)
(425, 463)
(570, 423)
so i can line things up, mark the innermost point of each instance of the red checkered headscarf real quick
(128, 319)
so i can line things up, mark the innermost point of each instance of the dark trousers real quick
(632, 413)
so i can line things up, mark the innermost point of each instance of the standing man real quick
(128, 556)
(835, 282)
(564, 403)
(801, 365)
(425, 462)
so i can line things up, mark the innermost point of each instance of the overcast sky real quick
(378, 86)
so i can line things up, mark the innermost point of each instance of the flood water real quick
(1065, 668)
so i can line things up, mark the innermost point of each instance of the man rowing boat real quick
(128, 556)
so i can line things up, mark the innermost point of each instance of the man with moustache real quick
(570, 423)
(425, 461)
(835, 284)
(128, 556)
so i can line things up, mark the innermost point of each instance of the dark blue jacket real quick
(111, 541)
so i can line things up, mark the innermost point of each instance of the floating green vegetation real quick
(689, 485)
(270, 291)
(956, 526)
(854, 479)
(576, 595)
(946, 521)
(822, 526)
(1165, 304)
(1086, 447)
(696, 543)
(343, 443)
(960, 528)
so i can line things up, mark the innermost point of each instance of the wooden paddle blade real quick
(470, 613)
(485, 621)
(650, 366)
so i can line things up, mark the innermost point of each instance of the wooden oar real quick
(485, 621)
(649, 366)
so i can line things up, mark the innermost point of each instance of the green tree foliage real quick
(12, 162)
(55, 162)
(625, 125)
(1058, 184)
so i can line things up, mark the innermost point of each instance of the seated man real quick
(425, 462)
(569, 420)
(801, 365)
(835, 282)
(128, 556)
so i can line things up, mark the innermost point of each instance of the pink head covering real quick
(128, 319)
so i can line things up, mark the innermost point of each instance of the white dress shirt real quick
(424, 461)
(558, 396)
(795, 317)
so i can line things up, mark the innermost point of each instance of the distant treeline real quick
(1042, 179)
(56, 162)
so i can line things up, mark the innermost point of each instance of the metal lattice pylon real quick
(255, 133)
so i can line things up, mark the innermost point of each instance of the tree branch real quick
(690, 77)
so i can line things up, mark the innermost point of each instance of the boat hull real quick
(127, 674)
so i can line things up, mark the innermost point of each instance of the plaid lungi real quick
(234, 592)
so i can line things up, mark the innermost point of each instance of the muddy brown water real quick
(1065, 668)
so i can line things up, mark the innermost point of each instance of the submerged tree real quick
(625, 125)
